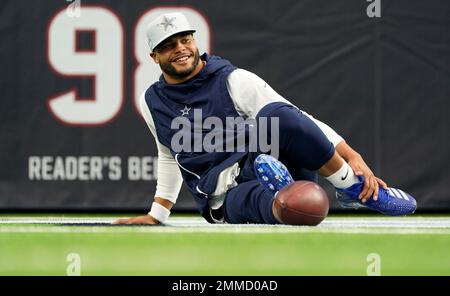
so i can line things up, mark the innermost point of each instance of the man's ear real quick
(154, 57)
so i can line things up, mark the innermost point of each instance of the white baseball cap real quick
(166, 25)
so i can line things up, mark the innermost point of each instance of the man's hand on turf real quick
(147, 219)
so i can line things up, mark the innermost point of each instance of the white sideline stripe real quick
(368, 225)
(236, 230)
(198, 221)
(24, 229)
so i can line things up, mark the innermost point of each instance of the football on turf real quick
(301, 203)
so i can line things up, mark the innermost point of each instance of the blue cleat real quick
(271, 173)
(391, 201)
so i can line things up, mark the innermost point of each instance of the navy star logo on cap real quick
(167, 23)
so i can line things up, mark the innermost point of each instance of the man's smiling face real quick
(178, 56)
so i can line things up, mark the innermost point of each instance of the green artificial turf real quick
(127, 251)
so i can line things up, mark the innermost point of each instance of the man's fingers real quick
(381, 182)
(365, 189)
(373, 186)
(136, 220)
(369, 190)
(120, 221)
(375, 192)
(127, 221)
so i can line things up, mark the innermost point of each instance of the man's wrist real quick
(346, 152)
(159, 212)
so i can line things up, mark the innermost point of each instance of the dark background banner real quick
(382, 82)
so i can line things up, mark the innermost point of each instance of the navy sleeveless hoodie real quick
(208, 92)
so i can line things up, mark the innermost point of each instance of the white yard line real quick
(364, 225)
(236, 230)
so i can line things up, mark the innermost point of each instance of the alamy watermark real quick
(234, 134)
(374, 264)
(374, 8)
(74, 8)
(74, 267)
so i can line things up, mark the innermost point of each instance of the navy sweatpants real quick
(303, 148)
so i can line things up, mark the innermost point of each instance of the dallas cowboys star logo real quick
(185, 111)
(167, 23)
